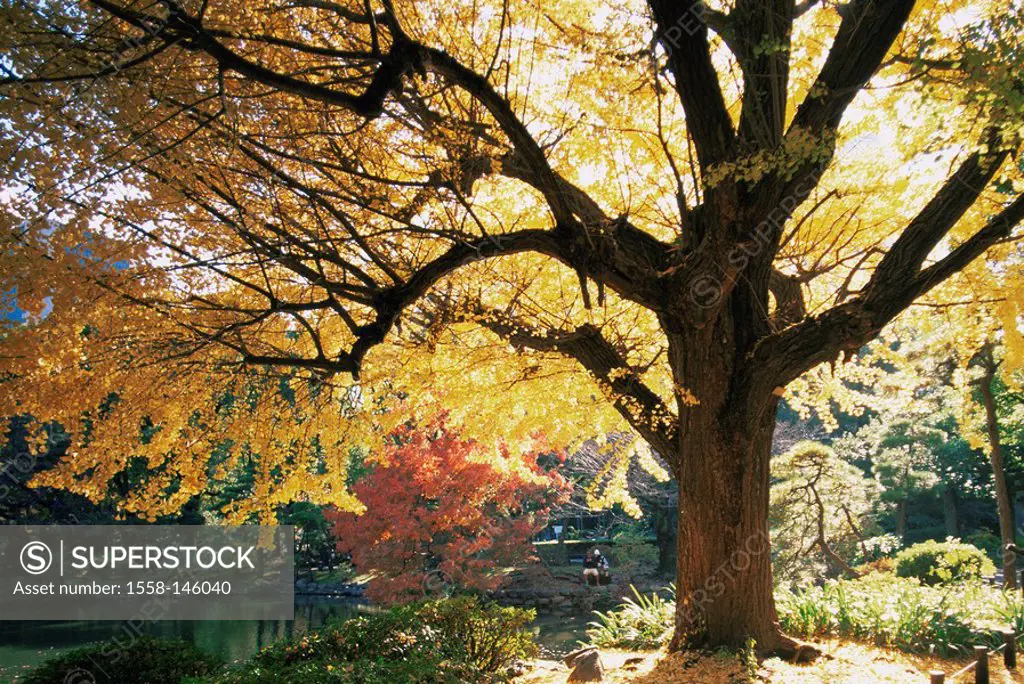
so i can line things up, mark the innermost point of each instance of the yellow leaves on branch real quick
(143, 296)
(610, 485)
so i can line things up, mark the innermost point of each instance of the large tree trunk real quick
(724, 571)
(995, 454)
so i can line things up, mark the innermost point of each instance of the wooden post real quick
(938, 677)
(981, 669)
(1010, 652)
(1022, 581)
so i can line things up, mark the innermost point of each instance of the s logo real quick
(36, 558)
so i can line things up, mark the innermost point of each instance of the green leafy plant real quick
(896, 612)
(493, 636)
(935, 562)
(634, 557)
(748, 656)
(458, 640)
(1011, 611)
(990, 543)
(143, 660)
(643, 623)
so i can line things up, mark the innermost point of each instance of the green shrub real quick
(144, 660)
(1010, 611)
(900, 612)
(807, 612)
(439, 642)
(637, 529)
(987, 542)
(897, 612)
(935, 562)
(634, 557)
(645, 623)
(491, 636)
(417, 668)
(880, 547)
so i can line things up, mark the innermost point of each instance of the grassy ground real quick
(842, 662)
(338, 575)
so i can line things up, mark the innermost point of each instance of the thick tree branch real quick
(899, 278)
(783, 356)
(404, 57)
(563, 207)
(390, 303)
(612, 251)
(931, 224)
(188, 29)
(865, 35)
(623, 258)
(636, 402)
(996, 230)
(683, 32)
(760, 38)
(789, 299)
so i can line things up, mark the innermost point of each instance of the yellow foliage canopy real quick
(216, 216)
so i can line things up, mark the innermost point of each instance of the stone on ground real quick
(586, 665)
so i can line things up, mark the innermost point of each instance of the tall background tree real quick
(820, 512)
(646, 216)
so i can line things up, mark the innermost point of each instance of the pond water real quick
(24, 644)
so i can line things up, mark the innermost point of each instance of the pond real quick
(24, 644)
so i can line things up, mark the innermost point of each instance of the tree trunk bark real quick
(901, 518)
(949, 512)
(723, 559)
(1003, 502)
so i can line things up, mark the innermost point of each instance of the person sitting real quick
(595, 569)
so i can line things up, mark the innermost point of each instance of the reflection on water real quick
(560, 634)
(24, 644)
(27, 643)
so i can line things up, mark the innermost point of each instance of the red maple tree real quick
(443, 514)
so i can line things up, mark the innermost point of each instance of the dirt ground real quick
(842, 662)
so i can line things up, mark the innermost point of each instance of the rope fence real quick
(981, 653)
(980, 663)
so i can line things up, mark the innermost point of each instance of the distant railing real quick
(980, 663)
